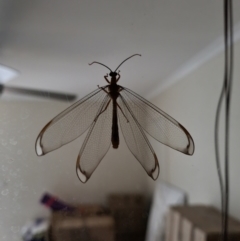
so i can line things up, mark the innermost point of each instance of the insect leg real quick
(119, 76)
(105, 77)
(120, 89)
(102, 110)
(103, 89)
(122, 111)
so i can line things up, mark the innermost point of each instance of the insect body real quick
(107, 106)
(114, 90)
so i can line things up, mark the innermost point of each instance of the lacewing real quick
(100, 112)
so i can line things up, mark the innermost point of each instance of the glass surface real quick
(50, 44)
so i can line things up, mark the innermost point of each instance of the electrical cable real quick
(225, 92)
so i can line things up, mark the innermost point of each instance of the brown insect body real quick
(114, 90)
(115, 134)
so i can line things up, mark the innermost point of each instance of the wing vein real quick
(137, 140)
(158, 124)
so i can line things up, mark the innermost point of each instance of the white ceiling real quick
(52, 42)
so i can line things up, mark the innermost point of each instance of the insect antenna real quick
(126, 60)
(95, 62)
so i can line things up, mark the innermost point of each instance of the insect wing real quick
(96, 143)
(70, 124)
(136, 140)
(158, 124)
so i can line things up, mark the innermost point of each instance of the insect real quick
(101, 112)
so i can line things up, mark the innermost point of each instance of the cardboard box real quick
(91, 210)
(129, 212)
(198, 223)
(121, 201)
(76, 227)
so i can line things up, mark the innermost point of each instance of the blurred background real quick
(49, 45)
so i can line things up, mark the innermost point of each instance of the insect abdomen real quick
(115, 135)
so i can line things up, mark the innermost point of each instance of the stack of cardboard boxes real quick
(88, 222)
(130, 215)
(198, 223)
(124, 219)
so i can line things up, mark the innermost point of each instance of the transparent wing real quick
(96, 143)
(136, 140)
(70, 124)
(158, 124)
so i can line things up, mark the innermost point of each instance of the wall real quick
(193, 101)
(24, 177)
